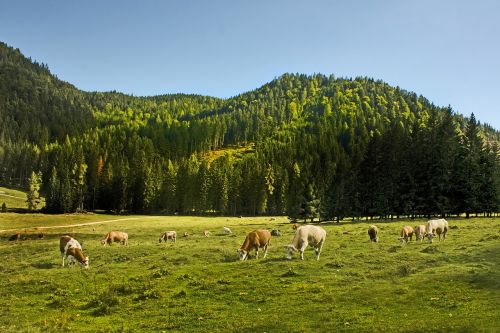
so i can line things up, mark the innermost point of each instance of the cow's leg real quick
(318, 249)
(62, 256)
(302, 248)
(265, 249)
(257, 252)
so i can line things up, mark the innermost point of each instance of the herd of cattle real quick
(306, 235)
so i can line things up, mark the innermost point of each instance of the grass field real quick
(12, 198)
(197, 284)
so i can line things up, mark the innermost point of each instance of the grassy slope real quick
(12, 198)
(197, 284)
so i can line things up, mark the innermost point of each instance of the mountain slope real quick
(310, 145)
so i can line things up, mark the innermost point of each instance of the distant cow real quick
(15, 237)
(373, 233)
(71, 249)
(406, 234)
(227, 231)
(304, 236)
(255, 240)
(115, 236)
(419, 232)
(172, 235)
(436, 227)
(276, 233)
(206, 233)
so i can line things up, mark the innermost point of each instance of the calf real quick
(255, 240)
(115, 236)
(406, 234)
(373, 232)
(71, 249)
(419, 232)
(172, 235)
(436, 227)
(304, 236)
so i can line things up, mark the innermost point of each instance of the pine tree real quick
(33, 195)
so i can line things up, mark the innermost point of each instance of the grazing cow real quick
(115, 236)
(71, 249)
(227, 231)
(436, 227)
(276, 233)
(186, 234)
(304, 236)
(172, 235)
(373, 233)
(206, 233)
(255, 240)
(419, 232)
(406, 234)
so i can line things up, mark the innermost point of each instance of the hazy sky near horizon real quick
(446, 50)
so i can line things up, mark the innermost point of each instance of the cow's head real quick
(242, 254)
(374, 239)
(85, 263)
(289, 251)
(103, 242)
(401, 239)
(429, 236)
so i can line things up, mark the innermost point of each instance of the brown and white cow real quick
(71, 249)
(373, 233)
(172, 235)
(115, 236)
(255, 240)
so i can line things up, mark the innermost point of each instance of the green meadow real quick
(12, 198)
(198, 285)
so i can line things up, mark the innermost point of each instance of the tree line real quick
(304, 146)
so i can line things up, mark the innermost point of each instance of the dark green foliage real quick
(314, 144)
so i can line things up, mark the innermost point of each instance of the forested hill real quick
(300, 145)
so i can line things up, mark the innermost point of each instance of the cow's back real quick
(312, 233)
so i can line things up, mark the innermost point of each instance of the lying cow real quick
(373, 232)
(71, 249)
(276, 233)
(406, 234)
(436, 227)
(255, 240)
(304, 236)
(115, 236)
(172, 235)
(419, 232)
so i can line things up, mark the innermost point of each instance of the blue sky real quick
(446, 50)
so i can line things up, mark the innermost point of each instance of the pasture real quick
(197, 284)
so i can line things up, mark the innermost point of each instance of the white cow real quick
(227, 231)
(436, 227)
(172, 235)
(304, 236)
